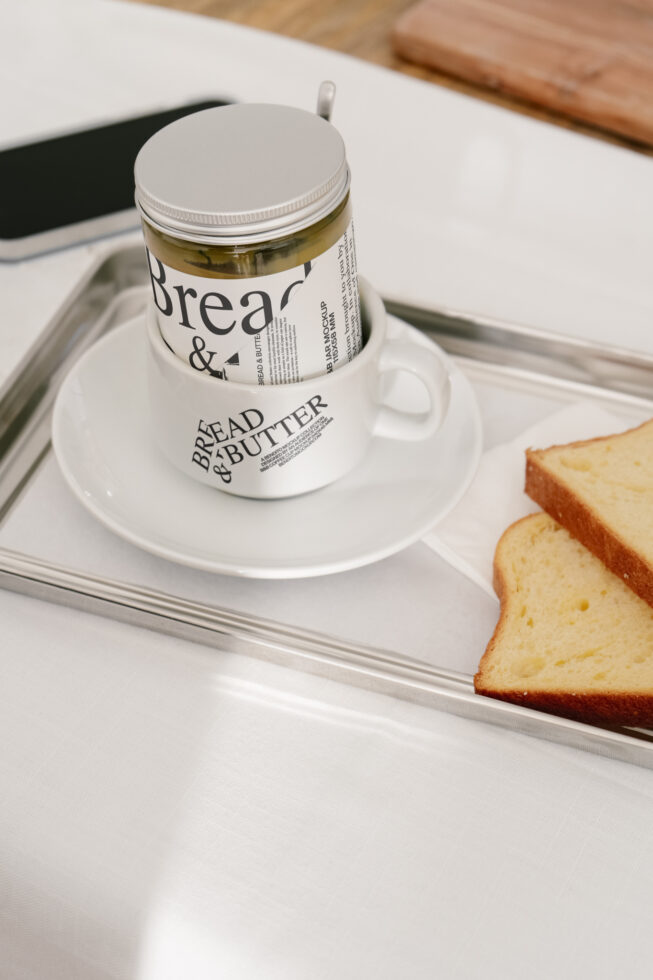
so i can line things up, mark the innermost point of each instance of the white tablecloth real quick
(167, 811)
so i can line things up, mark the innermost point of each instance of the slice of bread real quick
(571, 639)
(601, 490)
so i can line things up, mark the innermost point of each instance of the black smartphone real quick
(75, 187)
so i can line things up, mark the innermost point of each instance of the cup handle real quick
(426, 365)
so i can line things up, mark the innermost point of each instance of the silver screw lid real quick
(241, 173)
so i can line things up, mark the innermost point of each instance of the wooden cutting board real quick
(591, 60)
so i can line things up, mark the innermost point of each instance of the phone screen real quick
(77, 177)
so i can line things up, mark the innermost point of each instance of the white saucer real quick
(101, 438)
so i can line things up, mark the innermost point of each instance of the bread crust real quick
(616, 708)
(584, 524)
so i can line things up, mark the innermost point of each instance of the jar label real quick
(272, 329)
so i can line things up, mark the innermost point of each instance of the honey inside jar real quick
(260, 259)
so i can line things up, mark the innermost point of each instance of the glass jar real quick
(248, 227)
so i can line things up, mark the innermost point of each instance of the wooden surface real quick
(588, 59)
(362, 28)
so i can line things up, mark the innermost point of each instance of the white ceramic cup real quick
(282, 440)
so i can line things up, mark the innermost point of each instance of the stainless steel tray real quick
(506, 354)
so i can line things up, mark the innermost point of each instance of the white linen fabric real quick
(468, 535)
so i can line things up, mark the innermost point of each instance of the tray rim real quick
(99, 301)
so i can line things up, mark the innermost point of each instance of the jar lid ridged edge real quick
(222, 225)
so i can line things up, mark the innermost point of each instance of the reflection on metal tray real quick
(113, 291)
(528, 349)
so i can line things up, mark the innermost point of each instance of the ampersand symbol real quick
(223, 473)
(200, 363)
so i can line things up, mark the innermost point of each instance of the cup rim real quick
(372, 311)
